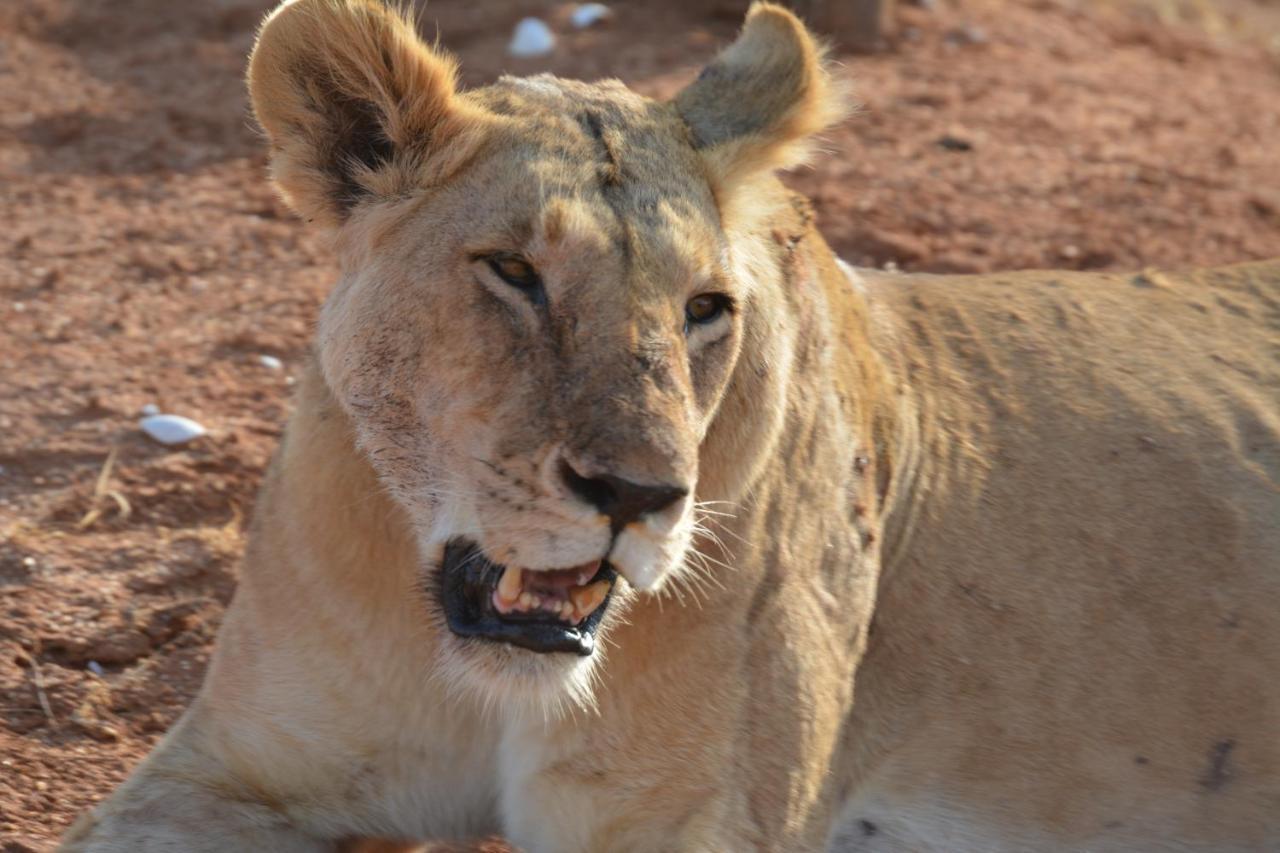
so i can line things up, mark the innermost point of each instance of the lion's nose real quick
(622, 500)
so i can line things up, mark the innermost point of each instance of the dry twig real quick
(37, 677)
(101, 492)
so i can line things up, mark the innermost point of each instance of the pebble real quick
(590, 13)
(952, 142)
(95, 667)
(150, 409)
(171, 429)
(532, 37)
(270, 362)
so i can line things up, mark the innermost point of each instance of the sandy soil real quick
(143, 260)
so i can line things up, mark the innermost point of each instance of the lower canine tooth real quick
(586, 599)
(526, 600)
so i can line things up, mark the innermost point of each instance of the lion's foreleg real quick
(152, 814)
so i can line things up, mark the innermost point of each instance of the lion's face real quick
(532, 372)
(539, 314)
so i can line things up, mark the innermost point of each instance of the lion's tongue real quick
(565, 593)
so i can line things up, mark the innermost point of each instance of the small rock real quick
(590, 13)
(171, 429)
(270, 362)
(531, 38)
(955, 143)
(94, 667)
(150, 409)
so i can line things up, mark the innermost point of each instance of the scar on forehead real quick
(607, 138)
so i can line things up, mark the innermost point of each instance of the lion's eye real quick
(704, 308)
(518, 273)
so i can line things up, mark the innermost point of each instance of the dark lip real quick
(467, 581)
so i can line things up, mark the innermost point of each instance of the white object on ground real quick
(270, 362)
(150, 409)
(171, 429)
(95, 667)
(590, 13)
(531, 38)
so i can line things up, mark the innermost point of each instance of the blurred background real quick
(145, 266)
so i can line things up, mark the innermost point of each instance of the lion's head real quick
(558, 318)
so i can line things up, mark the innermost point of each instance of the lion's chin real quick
(543, 611)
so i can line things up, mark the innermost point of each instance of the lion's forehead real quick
(672, 248)
(603, 163)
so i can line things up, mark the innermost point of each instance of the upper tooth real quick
(587, 572)
(509, 586)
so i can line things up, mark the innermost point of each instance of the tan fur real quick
(978, 564)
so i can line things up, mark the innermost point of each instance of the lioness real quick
(617, 515)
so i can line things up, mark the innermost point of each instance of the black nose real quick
(622, 500)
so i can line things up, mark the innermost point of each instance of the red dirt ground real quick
(143, 260)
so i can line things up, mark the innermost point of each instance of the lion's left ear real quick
(757, 105)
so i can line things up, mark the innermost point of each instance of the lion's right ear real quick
(354, 104)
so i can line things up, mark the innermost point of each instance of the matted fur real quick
(981, 563)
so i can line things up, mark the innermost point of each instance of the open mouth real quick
(556, 610)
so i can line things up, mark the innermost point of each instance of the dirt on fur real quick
(144, 261)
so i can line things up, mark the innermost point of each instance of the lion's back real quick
(1080, 621)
